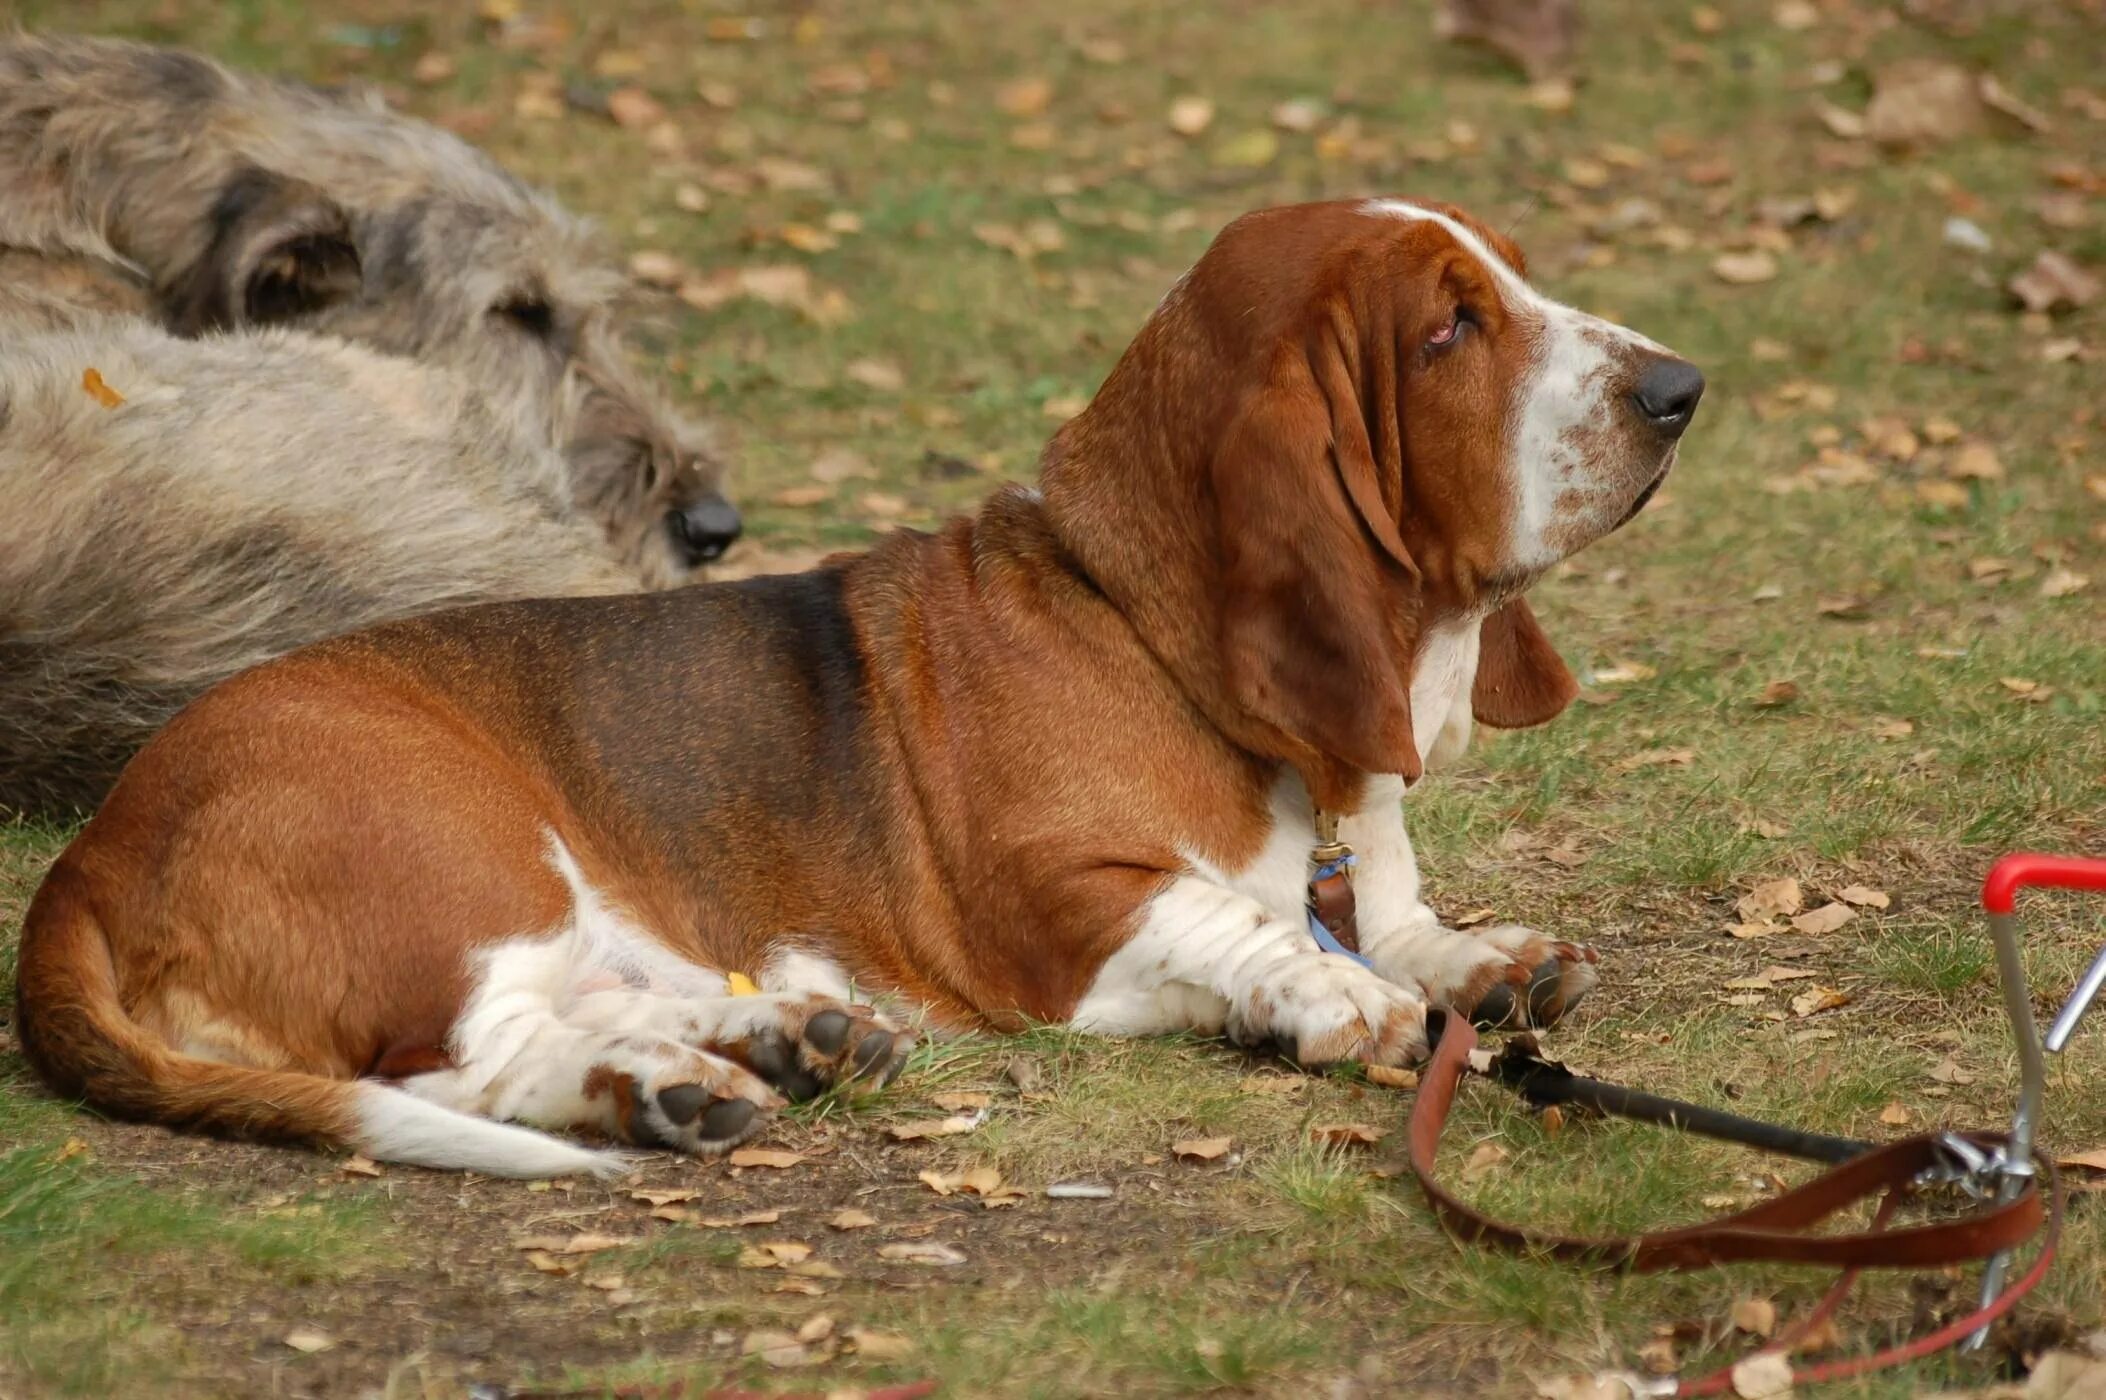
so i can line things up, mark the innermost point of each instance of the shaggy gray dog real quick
(244, 201)
(194, 507)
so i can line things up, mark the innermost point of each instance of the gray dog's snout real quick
(705, 529)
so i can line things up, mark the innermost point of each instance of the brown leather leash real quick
(1777, 1230)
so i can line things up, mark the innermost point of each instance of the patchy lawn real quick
(1858, 642)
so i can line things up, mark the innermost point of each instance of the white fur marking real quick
(397, 1126)
(1565, 391)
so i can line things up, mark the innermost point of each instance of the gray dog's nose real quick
(1667, 395)
(705, 529)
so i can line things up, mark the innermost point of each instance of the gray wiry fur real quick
(244, 201)
(253, 491)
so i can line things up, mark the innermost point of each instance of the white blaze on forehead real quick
(1563, 394)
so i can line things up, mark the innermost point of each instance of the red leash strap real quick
(1774, 1231)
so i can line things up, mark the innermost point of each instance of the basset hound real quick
(446, 888)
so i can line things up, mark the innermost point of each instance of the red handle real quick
(2014, 872)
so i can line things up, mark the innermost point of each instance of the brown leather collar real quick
(1331, 898)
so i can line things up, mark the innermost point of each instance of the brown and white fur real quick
(1055, 762)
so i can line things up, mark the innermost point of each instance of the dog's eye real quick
(530, 314)
(1451, 330)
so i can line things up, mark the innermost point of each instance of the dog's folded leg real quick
(1208, 959)
(1507, 976)
(527, 1063)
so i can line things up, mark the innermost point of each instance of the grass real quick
(1906, 762)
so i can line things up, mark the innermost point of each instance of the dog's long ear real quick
(1318, 598)
(1521, 679)
(278, 249)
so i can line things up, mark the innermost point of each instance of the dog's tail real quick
(77, 1034)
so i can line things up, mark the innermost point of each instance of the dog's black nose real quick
(705, 529)
(1667, 395)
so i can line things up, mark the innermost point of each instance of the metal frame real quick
(2008, 1169)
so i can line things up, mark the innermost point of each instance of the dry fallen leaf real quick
(2053, 282)
(773, 1254)
(2094, 1160)
(1864, 896)
(1763, 1377)
(1624, 672)
(1026, 97)
(1755, 1316)
(1654, 758)
(91, 382)
(935, 1127)
(656, 268)
(1744, 269)
(1582, 1388)
(1771, 897)
(927, 1252)
(1344, 1135)
(309, 1340)
(883, 375)
(978, 1181)
(1200, 1149)
(1390, 1077)
(849, 1218)
(1948, 1071)
(359, 1165)
(1826, 919)
(1300, 116)
(879, 1346)
(1815, 1000)
(777, 1348)
(1895, 1115)
(635, 109)
(738, 1222)
(1845, 606)
(2063, 582)
(1998, 98)
(2066, 1375)
(773, 1157)
(964, 1101)
(1189, 116)
(1922, 102)
(1658, 1355)
(584, 1242)
(1537, 36)
(1487, 1156)
(665, 1198)
(1777, 693)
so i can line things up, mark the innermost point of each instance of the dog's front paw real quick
(1321, 1009)
(1539, 980)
